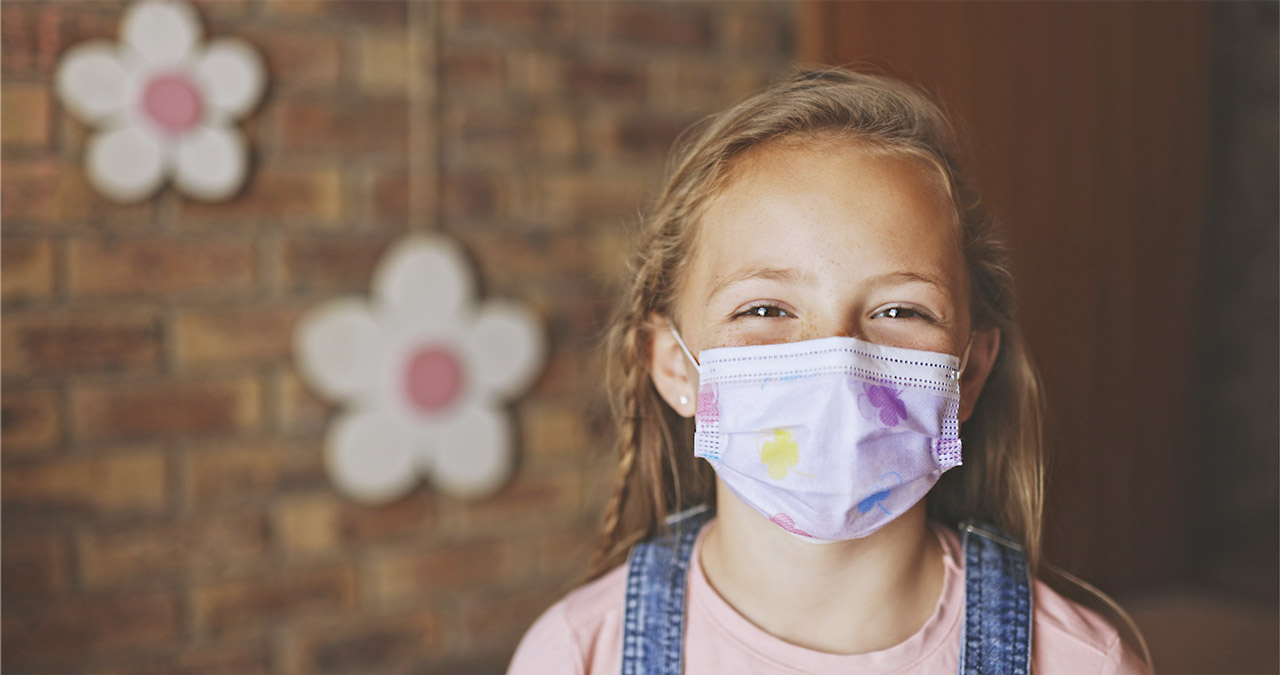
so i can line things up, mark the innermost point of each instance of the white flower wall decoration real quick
(163, 105)
(423, 374)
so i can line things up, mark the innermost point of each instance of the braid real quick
(626, 413)
(627, 378)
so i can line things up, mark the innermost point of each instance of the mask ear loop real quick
(964, 358)
(675, 333)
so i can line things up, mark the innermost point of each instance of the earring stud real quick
(684, 400)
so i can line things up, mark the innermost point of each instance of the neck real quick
(847, 597)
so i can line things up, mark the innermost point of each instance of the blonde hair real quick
(1001, 480)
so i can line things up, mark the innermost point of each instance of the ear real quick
(982, 356)
(673, 376)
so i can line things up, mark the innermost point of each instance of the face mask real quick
(830, 439)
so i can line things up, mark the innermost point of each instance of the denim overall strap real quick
(997, 604)
(653, 626)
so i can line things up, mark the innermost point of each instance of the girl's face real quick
(831, 240)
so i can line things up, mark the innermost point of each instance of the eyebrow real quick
(793, 275)
(784, 274)
(906, 277)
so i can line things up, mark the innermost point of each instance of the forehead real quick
(838, 209)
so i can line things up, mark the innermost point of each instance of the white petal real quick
(370, 457)
(472, 452)
(92, 81)
(336, 346)
(125, 164)
(210, 163)
(231, 75)
(163, 33)
(425, 279)
(506, 347)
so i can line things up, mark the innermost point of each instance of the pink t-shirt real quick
(583, 634)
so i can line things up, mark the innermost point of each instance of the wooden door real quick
(1090, 125)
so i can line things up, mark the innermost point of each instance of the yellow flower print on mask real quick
(780, 453)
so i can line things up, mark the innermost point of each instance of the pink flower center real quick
(172, 102)
(433, 379)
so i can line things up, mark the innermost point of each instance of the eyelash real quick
(754, 311)
(912, 313)
(901, 313)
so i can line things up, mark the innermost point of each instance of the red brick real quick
(501, 619)
(351, 128)
(563, 554)
(472, 195)
(92, 19)
(389, 192)
(538, 75)
(760, 31)
(401, 576)
(307, 524)
(34, 565)
(290, 594)
(661, 26)
(299, 61)
(107, 483)
(526, 502)
(277, 197)
(406, 519)
(580, 197)
(607, 252)
(30, 420)
(564, 374)
(629, 138)
(161, 266)
(384, 63)
(32, 38)
(55, 191)
(189, 547)
(509, 19)
(392, 12)
(240, 657)
(244, 334)
(54, 633)
(299, 409)
(24, 108)
(511, 261)
(328, 264)
(386, 644)
(602, 81)
(250, 472)
(81, 342)
(168, 409)
(471, 71)
(214, 10)
(26, 269)
(686, 89)
(552, 429)
(481, 136)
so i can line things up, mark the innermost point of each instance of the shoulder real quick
(580, 634)
(1067, 637)
(1070, 638)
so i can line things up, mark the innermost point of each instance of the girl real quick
(821, 288)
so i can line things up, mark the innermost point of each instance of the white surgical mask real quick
(831, 439)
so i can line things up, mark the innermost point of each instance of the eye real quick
(899, 313)
(765, 312)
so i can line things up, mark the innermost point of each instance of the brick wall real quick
(164, 504)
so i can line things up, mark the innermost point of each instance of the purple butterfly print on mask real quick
(882, 403)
